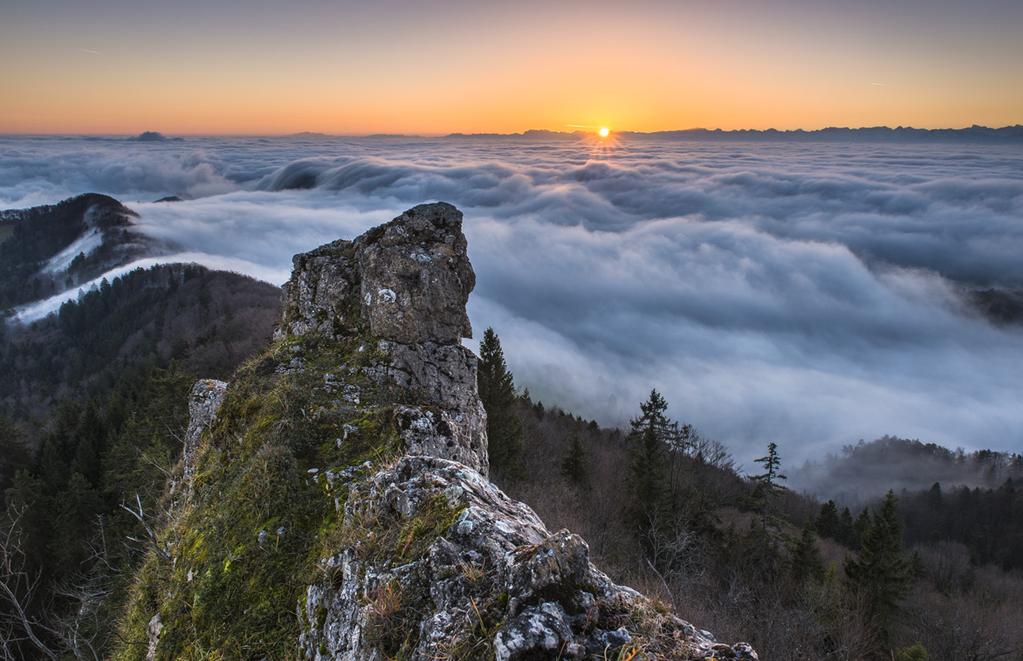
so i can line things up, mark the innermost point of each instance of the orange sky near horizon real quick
(259, 68)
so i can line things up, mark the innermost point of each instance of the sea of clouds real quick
(809, 293)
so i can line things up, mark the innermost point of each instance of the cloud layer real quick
(802, 293)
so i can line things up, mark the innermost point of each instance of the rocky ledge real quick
(338, 504)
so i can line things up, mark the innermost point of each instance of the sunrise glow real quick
(230, 68)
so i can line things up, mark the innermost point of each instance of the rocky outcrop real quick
(402, 286)
(406, 281)
(204, 402)
(488, 581)
(346, 467)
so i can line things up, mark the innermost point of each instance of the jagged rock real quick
(406, 281)
(206, 398)
(489, 577)
(416, 276)
(537, 631)
(403, 284)
(436, 561)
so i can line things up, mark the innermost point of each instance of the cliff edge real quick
(337, 505)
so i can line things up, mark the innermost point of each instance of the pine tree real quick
(828, 524)
(497, 392)
(573, 466)
(881, 573)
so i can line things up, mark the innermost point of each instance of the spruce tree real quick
(497, 392)
(14, 453)
(768, 483)
(827, 521)
(75, 511)
(648, 484)
(806, 562)
(89, 439)
(573, 466)
(860, 528)
(846, 529)
(652, 416)
(881, 573)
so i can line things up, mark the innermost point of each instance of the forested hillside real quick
(207, 321)
(867, 470)
(93, 409)
(49, 249)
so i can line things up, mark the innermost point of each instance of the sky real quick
(810, 294)
(396, 66)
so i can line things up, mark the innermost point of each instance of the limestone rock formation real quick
(343, 479)
(405, 285)
(493, 583)
(406, 281)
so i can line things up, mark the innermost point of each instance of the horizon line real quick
(459, 134)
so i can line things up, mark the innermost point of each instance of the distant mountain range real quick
(899, 134)
(1013, 134)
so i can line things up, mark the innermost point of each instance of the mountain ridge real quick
(1009, 134)
(51, 249)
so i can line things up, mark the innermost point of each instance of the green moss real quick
(227, 594)
(433, 518)
(143, 603)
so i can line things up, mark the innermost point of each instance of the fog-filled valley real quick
(812, 293)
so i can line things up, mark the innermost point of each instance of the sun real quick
(603, 131)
